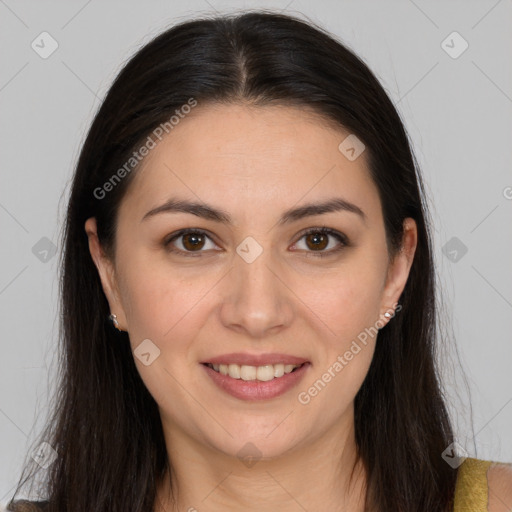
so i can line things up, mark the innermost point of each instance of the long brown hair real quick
(105, 426)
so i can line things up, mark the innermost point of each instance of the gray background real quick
(456, 110)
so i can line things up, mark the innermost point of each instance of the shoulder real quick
(499, 482)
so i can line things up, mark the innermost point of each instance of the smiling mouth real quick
(263, 373)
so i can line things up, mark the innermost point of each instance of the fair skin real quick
(253, 163)
(248, 154)
(499, 478)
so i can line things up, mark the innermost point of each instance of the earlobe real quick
(105, 270)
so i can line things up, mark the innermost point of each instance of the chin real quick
(259, 445)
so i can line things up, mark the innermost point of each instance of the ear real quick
(398, 270)
(107, 273)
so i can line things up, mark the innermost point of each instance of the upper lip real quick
(255, 359)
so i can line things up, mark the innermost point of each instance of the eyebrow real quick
(205, 211)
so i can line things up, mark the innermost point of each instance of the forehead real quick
(245, 155)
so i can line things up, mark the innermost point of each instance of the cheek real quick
(168, 305)
(350, 305)
(159, 304)
(168, 311)
(347, 300)
(171, 308)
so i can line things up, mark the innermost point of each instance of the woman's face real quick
(248, 285)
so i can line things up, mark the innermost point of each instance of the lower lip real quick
(256, 389)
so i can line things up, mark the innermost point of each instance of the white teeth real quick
(234, 371)
(246, 372)
(278, 370)
(265, 373)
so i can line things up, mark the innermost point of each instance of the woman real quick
(247, 212)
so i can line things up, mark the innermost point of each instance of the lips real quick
(255, 390)
(255, 359)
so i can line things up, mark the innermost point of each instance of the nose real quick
(258, 303)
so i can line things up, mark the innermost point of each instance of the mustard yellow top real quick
(471, 491)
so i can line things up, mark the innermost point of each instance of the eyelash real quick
(316, 254)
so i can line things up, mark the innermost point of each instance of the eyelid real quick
(341, 237)
(173, 236)
(325, 230)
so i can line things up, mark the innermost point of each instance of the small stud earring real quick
(387, 314)
(113, 318)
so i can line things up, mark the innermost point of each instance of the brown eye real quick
(318, 239)
(189, 241)
(192, 241)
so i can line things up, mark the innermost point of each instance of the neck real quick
(322, 475)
